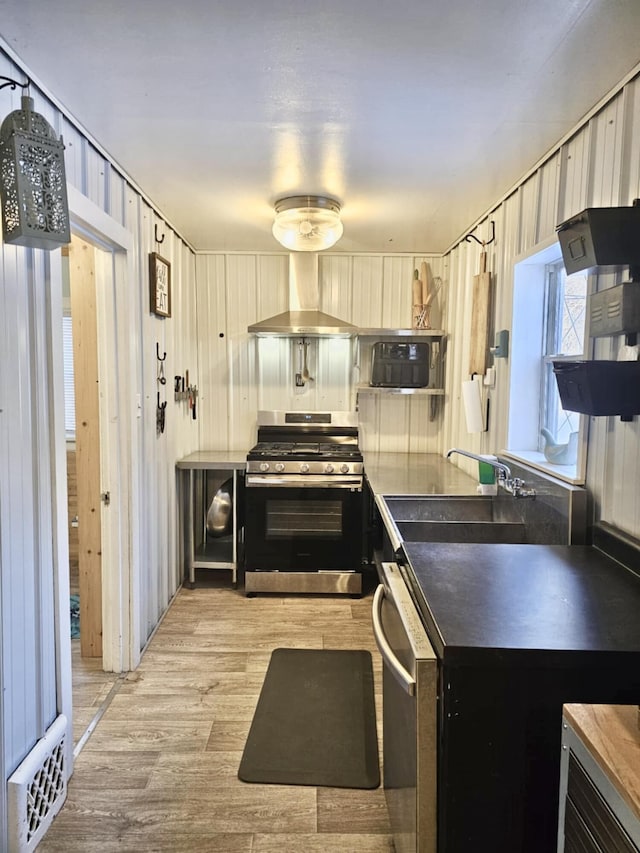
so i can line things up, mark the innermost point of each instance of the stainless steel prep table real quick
(221, 554)
(415, 474)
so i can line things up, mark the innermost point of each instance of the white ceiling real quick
(417, 115)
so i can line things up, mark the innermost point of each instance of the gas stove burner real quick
(286, 449)
(306, 447)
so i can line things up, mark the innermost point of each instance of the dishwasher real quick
(409, 714)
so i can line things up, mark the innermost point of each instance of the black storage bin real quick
(599, 387)
(600, 236)
(400, 365)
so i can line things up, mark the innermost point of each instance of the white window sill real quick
(537, 460)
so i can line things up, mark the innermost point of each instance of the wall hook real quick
(484, 243)
(155, 233)
(158, 356)
(13, 83)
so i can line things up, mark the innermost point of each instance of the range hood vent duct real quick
(304, 317)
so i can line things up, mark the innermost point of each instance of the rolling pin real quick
(416, 300)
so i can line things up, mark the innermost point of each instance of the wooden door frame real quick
(120, 539)
(84, 289)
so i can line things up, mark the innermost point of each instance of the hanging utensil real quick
(305, 367)
(416, 300)
(299, 379)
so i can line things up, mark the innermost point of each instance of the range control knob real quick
(279, 467)
(328, 468)
(304, 468)
(344, 468)
(264, 466)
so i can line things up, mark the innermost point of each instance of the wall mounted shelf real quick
(434, 391)
(394, 333)
(376, 389)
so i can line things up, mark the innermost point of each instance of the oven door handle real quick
(405, 679)
(272, 481)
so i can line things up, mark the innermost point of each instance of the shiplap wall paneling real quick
(548, 191)
(183, 433)
(116, 189)
(465, 266)
(501, 310)
(399, 423)
(185, 336)
(397, 281)
(574, 177)
(333, 365)
(394, 422)
(451, 353)
(630, 171)
(620, 501)
(243, 275)
(367, 288)
(438, 269)
(277, 361)
(43, 489)
(507, 240)
(17, 506)
(529, 194)
(213, 352)
(157, 337)
(74, 156)
(153, 340)
(28, 662)
(606, 154)
(138, 300)
(335, 275)
(175, 423)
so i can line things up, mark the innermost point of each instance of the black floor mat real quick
(315, 722)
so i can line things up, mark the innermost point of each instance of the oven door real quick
(303, 524)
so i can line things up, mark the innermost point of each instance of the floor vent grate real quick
(37, 789)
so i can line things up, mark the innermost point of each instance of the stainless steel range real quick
(304, 508)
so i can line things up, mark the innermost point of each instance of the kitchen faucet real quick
(513, 485)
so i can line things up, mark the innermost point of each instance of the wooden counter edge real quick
(612, 734)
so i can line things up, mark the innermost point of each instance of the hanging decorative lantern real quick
(33, 186)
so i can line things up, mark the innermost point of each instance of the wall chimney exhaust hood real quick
(303, 319)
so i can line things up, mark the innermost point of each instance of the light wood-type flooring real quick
(159, 772)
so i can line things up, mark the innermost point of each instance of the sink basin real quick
(463, 519)
(461, 531)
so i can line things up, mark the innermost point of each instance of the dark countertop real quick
(500, 603)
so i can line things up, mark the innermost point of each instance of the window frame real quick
(527, 365)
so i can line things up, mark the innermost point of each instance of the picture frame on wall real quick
(160, 285)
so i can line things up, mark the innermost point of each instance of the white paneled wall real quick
(241, 373)
(597, 165)
(32, 436)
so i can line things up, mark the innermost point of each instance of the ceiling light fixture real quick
(33, 186)
(307, 223)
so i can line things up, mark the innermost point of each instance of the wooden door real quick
(85, 359)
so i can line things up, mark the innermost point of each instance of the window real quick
(549, 314)
(566, 302)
